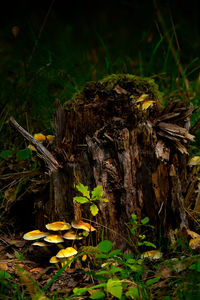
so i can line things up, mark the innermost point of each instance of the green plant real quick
(136, 233)
(90, 197)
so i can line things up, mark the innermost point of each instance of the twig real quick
(42, 152)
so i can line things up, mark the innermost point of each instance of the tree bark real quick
(139, 156)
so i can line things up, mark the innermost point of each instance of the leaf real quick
(115, 252)
(97, 193)
(6, 153)
(104, 200)
(114, 287)
(24, 154)
(142, 98)
(147, 104)
(194, 161)
(133, 293)
(145, 220)
(195, 243)
(149, 244)
(97, 295)
(94, 209)
(81, 200)
(4, 275)
(152, 281)
(105, 246)
(195, 266)
(83, 189)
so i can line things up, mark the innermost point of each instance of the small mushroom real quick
(54, 238)
(54, 260)
(34, 235)
(152, 255)
(82, 225)
(40, 244)
(56, 226)
(65, 254)
(71, 235)
(39, 137)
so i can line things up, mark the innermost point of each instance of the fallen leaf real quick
(195, 243)
(119, 90)
(192, 234)
(3, 266)
(36, 270)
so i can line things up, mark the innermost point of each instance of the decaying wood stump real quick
(113, 133)
(107, 135)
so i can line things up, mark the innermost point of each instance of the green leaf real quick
(133, 293)
(5, 275)
(80, 291)
(115, 252)
(94, 209)
(135, 268)
(6, 153)
(83, 189)
(114, 287)
(196, 266)
(81, 199)
(152, 281)
(24, 154)
(97, 193)
(105, 246)
(145, 220)
(97, 295)
(115, 269)
(104, 200)
(149, 244)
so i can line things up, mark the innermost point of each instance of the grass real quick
(38, 69)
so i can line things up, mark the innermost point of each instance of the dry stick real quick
(171, 46)
(42, 152)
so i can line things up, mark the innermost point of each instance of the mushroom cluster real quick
(57, 233)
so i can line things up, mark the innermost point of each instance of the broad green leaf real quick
(101, 255)
(80, 291)
(94, 209)
(98, 295)
(105, 246)
(97, 193)
(24, 154)
(114, 287)
(6, 153)
(115, 252)
(83, 189)
(115, 270)
(152, 281)
(145, 220)
(133, 293)
(81, 199)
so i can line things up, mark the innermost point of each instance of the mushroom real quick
(39, 137)
(82, 225)
(54, 238)
(34, 235)
(56, 226)
(71, 235)
(65, 254)
(40, 244)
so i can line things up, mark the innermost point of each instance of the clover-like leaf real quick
(81, 199)
(83, 189)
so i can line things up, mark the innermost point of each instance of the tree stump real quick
(114, 134)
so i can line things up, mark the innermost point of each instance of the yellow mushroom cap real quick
(50, 138)
(82, 225)
(152, 255)
(54, 238)
(40, 244)
(39, 137)
(32, 148)
(71, 235)
(58, 226)
(67, 252)
(34, 235)
(54, 260)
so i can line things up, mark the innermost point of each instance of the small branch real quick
(42, 152)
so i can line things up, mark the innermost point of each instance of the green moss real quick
(133, 82)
